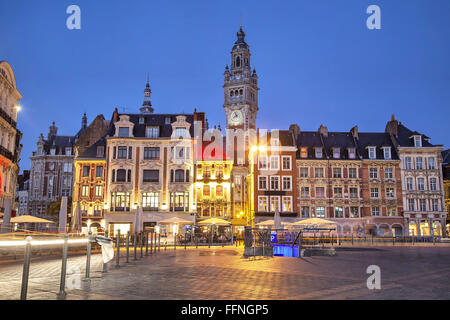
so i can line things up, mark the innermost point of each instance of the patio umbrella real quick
(277, 219)
(216, 221)
(315, 222)
(175, 220)
(76, 218)
(29, 219)
(271, 223)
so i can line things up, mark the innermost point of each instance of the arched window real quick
(179, 175)
(238, 61)
(231, 93)
(241, 92)
(121, 175)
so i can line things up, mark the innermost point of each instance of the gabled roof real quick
(91, 152)
(378, 140)
(446, 157)
(405, 137)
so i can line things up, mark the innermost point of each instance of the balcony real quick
(6, 153)
(7, 118)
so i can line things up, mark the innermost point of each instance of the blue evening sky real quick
(317, 62)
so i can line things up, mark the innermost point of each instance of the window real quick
(353, 193)
(351, 153)
(180, 133)
(274, 183)
(206, 190)
(182, 153)
(219, 191)
(122, 152)
(151, 176)
(287, 182)
(130, 152)
(433, 184)
(68, 151)
(129, 176)
(336, 153)
(86, 171)
(179, 201)
(262, 183)
(152, 132)
(352, 173)
(83, 210)
(354, 212)
(167, 120)
(388, 173)
(219, 171)
(303, 172)
(141, 120)
(207, 172)
(262, 163)
(390, 193)
(372, 153)
(121, 175)
(52, 151)
(392, 212)
(420, 184)
(286, 163)
(374, 192)
(318, 172)
(124, 132)
(411, 205)
(337, 192)
(373, 173)
(417, 141)
(84, 191)
(419, 163)
(67, 181)
(320, 212)
(387, 153)
(338, 212)
(99, 171)
(100, 151)
(409, 184)
(304, 211)
(376, 211)
(274, 162)
(120, 201)
(320, 192)
(179, 175)
(151, 153)
(431, 163)
(263, 205)
(304, 152)
(67, 167)
(319, 153)
(408, 163)
(274, 203)
(304, 192)
(422, 205)
(150, 201)
(435, 204)
(287, 204)
(337, 173)
(274, 142)
(98, 191)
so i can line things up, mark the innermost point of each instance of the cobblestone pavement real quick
(222, 273)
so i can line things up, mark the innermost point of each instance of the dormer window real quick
(319, 153)
(52, 151)
(124, 132)
(152, 132)
(372, 153)
(387, 153)
(100, 151)
(68, 151)
(167, 120)
(141, 120)
(417, 141)
(274, 142)
(180, 133)
(336, 153)
(351, 153)
(304, 152)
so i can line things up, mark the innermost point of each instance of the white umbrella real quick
(277, 219)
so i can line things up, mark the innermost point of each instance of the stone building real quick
(446, 176)
(10, 136)
(51, 172)
(23, 186)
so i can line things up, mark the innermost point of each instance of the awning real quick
(216, 221)
(175, 220)
(272, 223)
(29, 219)
(314, 222)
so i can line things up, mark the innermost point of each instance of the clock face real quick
(236, 117)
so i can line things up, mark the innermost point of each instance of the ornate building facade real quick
(446, 176)
(10, 136)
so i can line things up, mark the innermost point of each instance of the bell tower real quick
(240, 87)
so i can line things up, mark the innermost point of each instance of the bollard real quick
(118, 249)
(26, 269)
(174, 242)
(105, 267)
(159, 242)
(352, 238)
(88, 257)
(142, 243)
(146, 244)
(62, 284)
(135, 246)
(185, 241)
(128, 246)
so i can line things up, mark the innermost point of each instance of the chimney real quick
(52, 131)
(354, 132)
(115, 116)
(295, 131)
(392, 127)
(323, 131)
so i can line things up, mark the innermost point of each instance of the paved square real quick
(222, 273)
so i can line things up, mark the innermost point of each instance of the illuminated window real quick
(219, 191)
(206, 190)
(219, 171)
(85, 191)
(98, 191)
(150, 200)
(287, 204)
(274, 203)
(390, 193)
(338, 212)
(304, 152)
(263, 205)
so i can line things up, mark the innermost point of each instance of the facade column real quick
(419, 234)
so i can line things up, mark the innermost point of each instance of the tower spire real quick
(147, 104)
